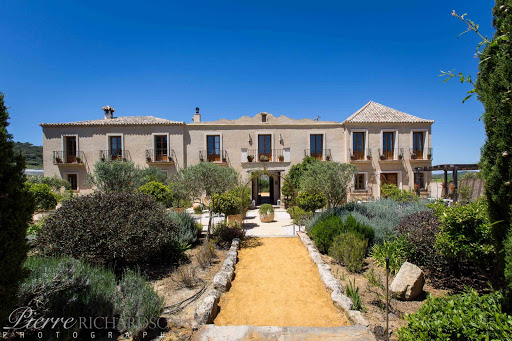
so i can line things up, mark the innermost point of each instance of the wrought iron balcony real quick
(324, 154)
(359, 155)
(160, 156)
(275, 155)
(115, 155)
(220, 156)
(68, 158)
(420, 154)
(390, 154)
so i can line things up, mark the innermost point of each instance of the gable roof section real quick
(373, 112)
(121, 121)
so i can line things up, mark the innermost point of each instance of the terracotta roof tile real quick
(123, 120)
(373, 112)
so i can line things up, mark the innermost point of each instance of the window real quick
(265, 146)
(358, 145)
(116, 147)
(419, 179)
(213, 148)
(360, 181)
(70, 149)
(389, 179)
(417, 144)
(161, 148)
(264, 118)
(388, 145)
(316, 145)
(73, 181)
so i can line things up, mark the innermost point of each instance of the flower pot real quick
(369, 157)
(382, 157)
(78, 160)
(170, 159)
(179, 209)
(400, 157)
(236, 218)
(250, 158)
(148, 159)
(352, 157)
(281, 158)
(267, 218)
(429, 156)
(328, 158)
(58, 160)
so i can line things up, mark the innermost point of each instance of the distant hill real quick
(440, 177)
(33, 154)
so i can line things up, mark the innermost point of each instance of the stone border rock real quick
(207, 309)
(332, 284)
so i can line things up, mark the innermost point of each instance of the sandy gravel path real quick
(277, 284)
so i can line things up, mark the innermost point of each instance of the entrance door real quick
(73, 181)
(213, 148)
(70, 149)
(265, 147)
(389, 179)
(161, 148)
(116, 148)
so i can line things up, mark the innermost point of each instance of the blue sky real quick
(63, 60)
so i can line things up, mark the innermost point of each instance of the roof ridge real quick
(374, 112)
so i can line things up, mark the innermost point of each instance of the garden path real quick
(277, 284)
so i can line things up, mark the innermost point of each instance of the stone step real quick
(235, 333)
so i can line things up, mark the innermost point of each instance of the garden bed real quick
(373, 306)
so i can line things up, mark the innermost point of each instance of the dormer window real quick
(264, 118)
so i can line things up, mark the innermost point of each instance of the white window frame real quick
(366, 142)
(365, 182)
(389, 171)
(324, 142)
(395, 136)
(108, 141)
(154, 144)
(425, 142)
(63, 140)
(77, 179)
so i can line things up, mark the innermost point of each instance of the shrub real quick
(160, 192)
(266, 209)
(310, 202)
(352, 225)
(186, 227)
(396, 249)
(298, 215)
(349, 249)
(35, 227)
(185, 276)
(152, 174)
(393, 192)
(137, 303)
(223, 234)
(44, 198)
(466, 316)
(352, 291)
(324, 232)
(16, 208)
(70, 288)
(116, 176)
(54, 182)
(115, 228)
(206, 254)
(227, 203)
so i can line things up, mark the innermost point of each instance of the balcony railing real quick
(220, 156)
(420, 154)
(325, 154)
(359, 155)
(115, 155)
(60, 157)
(160, 156)
(390, 154)
(275, 155)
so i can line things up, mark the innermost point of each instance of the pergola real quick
(448, 168)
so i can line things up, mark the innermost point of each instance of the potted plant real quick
(327, 158)
(400, 157)
(263, 158)
(413, 156)
(170, 158)
(148, 159)
(224, 159)
(266, 213)
(250, 158)
(352, 157)
(369, 157)
(382, 157)
(78, 160)
(429, 156)
(58, 160)
(281, 158)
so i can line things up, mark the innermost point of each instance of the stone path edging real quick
(207, 309)
(332, 284)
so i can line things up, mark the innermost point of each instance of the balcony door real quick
(116, 147)
(70, 149)
(358, 145)
(418, 143)
(213, 148)
(265, 147)
(388, 145)
(316, 146)
(161, 153)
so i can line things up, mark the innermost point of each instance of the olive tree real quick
(331, 179)
(205, 180)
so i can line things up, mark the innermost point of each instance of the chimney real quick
(197, 116)
(109, 112)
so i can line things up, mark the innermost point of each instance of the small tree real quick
(115, 176)
(204, 180)
(332, 179)
(16, 208)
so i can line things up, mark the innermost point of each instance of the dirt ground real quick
(373, 304)
(277, 284)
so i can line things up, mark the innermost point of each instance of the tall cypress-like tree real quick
(494, 89)
(16, 208)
